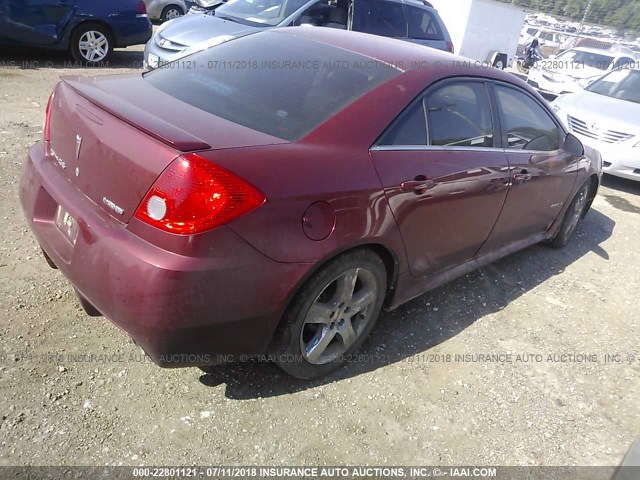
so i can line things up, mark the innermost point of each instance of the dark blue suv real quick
(88, 29)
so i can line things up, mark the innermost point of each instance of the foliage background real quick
(621, 14)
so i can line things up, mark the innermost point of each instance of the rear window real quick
(380, 17)
(590, 59)
(271, 82)
(423, 24)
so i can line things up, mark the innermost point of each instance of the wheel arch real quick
(92, 21)
(388, 256)
(593, 191)
(385, 253)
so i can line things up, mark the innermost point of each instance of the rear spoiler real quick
(138, 118)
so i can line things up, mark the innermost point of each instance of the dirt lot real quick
(413, 400)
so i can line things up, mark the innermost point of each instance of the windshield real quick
(589, 59)
(620, 84)
(259, 12)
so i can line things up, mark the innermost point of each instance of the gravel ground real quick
(553, 316)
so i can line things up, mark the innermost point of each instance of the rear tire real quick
(171, 12)
(571, 218)
(91, 44)
(331, 316)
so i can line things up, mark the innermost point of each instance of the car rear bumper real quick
(197, 310)
(546, 85)
(618, 160)
(133, 32)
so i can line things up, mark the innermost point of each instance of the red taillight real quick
(194, 195)
(46, 130)
(142, 8)
(450, 46)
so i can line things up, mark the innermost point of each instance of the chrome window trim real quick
(444, 148)
(427, 148)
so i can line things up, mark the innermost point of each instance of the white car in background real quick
(574, 69)
(606, 117)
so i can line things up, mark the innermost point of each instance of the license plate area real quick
(154, 60)
(67, 225)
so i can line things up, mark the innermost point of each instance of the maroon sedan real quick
(274, 193)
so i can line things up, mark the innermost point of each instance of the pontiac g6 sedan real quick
(277, 208)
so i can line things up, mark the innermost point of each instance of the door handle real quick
(418, 185)
(523, 176)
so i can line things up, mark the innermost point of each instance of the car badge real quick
(78, 146)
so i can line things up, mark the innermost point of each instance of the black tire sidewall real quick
(286, 345)
(561, 239)
(75, 42)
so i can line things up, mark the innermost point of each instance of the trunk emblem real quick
(112, 206)
(78, 146)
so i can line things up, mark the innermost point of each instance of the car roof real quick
(599, 51)
(404, 55)
(414, 3)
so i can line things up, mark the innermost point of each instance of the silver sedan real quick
(606, 117)
(165, 10)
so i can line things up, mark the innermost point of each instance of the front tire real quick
(571, 218)
(331, 316)
(91, 44)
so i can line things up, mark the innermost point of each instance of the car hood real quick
(579, 73)
(192, 29)
(612, 113)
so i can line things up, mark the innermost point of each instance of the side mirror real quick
(573, 145)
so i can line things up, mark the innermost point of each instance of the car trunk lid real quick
(112, 139)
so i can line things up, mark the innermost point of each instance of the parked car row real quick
(576, 68)
(411, 20)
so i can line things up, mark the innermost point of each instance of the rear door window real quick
(380, 17)
(459, 115)
(423, 24)
(410, 128)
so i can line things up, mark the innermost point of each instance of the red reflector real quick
(142, 8)
(46, 130)
(194, 195)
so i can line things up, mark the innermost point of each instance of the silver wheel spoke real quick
(362, 300)
(345, 285)
(319, 313)
(318, 347)
(347, 333)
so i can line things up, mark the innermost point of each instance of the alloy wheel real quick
(93, 46)
(338, 316)
(172, 13)
(578, 207)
